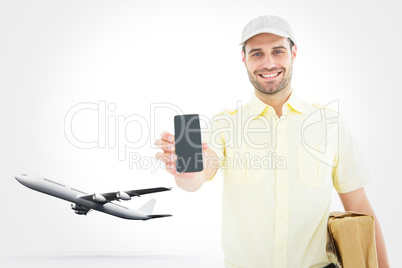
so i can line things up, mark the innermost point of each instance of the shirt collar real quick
(296, 103)
(257, 106)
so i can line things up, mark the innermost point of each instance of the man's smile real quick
(269, 75)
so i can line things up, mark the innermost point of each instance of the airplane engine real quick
(78, 210)
(123, 195)
(81, 212)
(99, 198)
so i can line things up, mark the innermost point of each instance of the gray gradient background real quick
(56, 54)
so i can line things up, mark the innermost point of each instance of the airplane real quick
(84, 202)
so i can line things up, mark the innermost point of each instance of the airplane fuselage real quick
(71, 194)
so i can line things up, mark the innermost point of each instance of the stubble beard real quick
(270, 88)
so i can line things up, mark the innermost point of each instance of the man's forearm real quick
(380, 244)
(379, 238)
(357, 201)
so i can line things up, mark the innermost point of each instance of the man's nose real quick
(268, 62)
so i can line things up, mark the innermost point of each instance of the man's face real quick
(269, 62)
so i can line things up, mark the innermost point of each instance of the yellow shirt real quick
(278, 177)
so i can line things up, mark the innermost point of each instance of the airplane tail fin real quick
(148, 207)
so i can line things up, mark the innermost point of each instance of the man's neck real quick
(276, 100)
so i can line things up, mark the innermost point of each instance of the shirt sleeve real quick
(349, 172)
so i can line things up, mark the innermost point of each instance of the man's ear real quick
(243, 57)
(294, 52)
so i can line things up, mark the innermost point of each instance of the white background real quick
(57, 54)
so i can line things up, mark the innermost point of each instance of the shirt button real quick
(281, 187)
(281, 217)
(281, 248)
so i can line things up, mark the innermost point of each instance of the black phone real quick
(187, 133)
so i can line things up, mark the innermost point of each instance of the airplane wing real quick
(112, 196)
(158, 216)
(147, 191)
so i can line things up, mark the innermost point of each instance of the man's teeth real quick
(269, 75)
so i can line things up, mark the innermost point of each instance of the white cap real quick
(267, 24)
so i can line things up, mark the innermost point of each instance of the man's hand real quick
(190, 181)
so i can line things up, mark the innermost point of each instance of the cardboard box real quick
(353, 236)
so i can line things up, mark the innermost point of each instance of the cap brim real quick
(265, 30)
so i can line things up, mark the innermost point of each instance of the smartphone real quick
(188, 144)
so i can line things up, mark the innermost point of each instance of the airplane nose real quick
(21, 177)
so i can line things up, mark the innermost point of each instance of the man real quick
(280, 158)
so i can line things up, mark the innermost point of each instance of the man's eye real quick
(257, 54)
(278, 52)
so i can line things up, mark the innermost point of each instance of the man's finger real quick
(166, 136)
(165, 146)
(171, 169)
(166, 157)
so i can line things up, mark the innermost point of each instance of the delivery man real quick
(280, 157)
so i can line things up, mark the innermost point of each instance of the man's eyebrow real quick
(280, 47)
(259, 49)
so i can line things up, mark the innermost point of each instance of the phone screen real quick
(188, 143)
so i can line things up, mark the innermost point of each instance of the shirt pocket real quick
(248, 166)
(315, 166)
